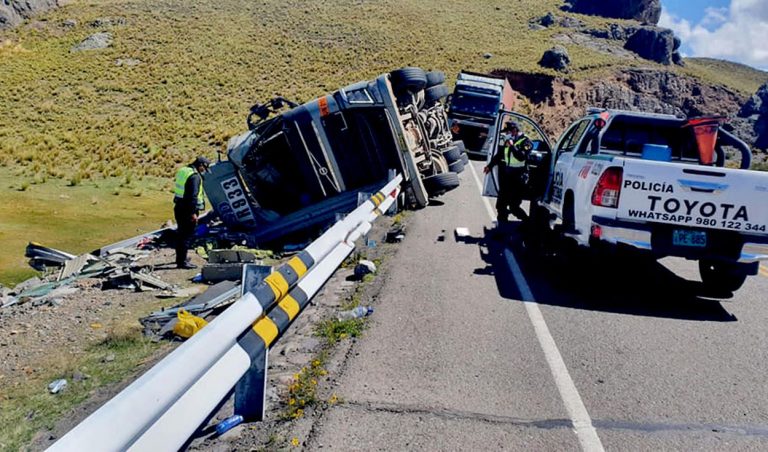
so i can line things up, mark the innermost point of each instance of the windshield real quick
(474, 104)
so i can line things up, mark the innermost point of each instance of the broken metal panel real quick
(36, 250)
(75, 266)
(129, 243)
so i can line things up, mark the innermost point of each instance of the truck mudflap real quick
(694, 196)
(659, 239)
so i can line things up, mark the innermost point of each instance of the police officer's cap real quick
(201, 161)
(511, 125)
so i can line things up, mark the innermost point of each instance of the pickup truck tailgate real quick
(694, 196)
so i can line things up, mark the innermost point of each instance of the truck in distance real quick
(474, 107)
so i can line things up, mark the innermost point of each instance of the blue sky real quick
(735, 30)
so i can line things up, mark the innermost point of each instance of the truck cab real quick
(474, 108)
(311, 160)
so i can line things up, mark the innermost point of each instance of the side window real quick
(573, 136)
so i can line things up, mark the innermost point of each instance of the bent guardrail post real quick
(180, 421)
(124, 419)
(250, 391)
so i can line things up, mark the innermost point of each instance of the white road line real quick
(582, 423)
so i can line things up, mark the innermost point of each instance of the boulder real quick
(14, 12)
(648, 11)
(94, 42)
(570, 22)
(614, 32)
(653, 43)
(547, 20)
(755, 110)
(556, 58)
(757, 104)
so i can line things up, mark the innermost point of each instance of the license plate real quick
(696, 239)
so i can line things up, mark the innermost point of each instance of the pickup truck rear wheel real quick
(721, 276)
(411, 79)
(440, 183)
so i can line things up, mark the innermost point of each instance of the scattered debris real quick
(461, 233)
(226, 265)
(188, 324)
(57, 386)
(160, 323)
(69, 23)
(228, 424)
(109, 358)
(364, 267)
(357, 313)
(395, 235)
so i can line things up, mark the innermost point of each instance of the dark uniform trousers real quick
(511, 189)
(184, 232)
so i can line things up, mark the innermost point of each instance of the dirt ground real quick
(27, 334)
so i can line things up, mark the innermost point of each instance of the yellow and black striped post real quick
(250, 390)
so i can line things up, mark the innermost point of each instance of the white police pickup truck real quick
(662, 184)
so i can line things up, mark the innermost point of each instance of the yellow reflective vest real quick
(182, 175)
(509, 158)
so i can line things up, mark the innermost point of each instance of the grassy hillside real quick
(75, 219)
(737, 76)
(203, 63)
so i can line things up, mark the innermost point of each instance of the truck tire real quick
(435, 78)
(441, 183)
(721, 276)
(456, 167)
(435, 93)
(452, 154)
(412, 79)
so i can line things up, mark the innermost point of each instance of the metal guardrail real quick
(166, 405)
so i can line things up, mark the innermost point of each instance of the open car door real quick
(538, 162)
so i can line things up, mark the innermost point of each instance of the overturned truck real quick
(300, 165)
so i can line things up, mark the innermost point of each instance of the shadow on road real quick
(623, 283)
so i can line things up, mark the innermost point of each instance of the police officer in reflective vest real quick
(188, 202)
(514, 148)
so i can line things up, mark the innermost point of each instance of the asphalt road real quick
(477, 345)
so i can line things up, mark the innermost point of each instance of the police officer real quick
(188, 202)
(510, 158)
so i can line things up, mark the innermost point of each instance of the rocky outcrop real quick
(96, 41)
(13, 12)
(556, 58)
(652, 43)
(755, 114)
(655, 44)
(647, 11)
(558, 101)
